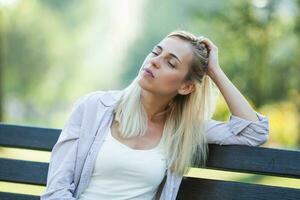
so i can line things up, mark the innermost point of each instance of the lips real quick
(149, 71)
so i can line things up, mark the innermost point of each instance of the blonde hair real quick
(183, 134)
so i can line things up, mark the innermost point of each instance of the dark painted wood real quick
(259, 160)
(203, 189)
(285, 163)
(20, 171)
(13, 196)
(28, 137)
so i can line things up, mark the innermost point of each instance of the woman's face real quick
(169, 62)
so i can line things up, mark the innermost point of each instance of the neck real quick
(156, 106)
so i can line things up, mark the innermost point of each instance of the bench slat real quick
(19, 171)
(266, 161)
(259, 160)
(13, 196)
(199, 189)
(28, 137)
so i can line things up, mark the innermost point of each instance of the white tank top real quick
(122, 172)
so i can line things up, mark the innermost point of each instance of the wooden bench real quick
(257, 160)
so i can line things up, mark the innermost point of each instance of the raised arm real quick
(245, 126)
(236, 102)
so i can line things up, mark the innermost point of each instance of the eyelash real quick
(168, 62)
(154, 53)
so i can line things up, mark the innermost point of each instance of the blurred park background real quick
(54, 51)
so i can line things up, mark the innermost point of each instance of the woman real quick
(151, 132)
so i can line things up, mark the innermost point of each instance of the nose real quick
(155, 61)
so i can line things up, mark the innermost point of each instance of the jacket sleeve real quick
(238, 131)
(60, 178)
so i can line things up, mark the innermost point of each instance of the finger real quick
(209, 43)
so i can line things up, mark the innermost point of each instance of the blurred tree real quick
(258, 43)
(158, 21)
(295, 71)
(258, 47)
(250, 50)
(42, 49)
(1, 65)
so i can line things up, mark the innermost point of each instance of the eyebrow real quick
(173, 55)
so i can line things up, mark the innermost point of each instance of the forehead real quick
(179, 47)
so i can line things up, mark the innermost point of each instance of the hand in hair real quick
(237, 103)
(213, 59)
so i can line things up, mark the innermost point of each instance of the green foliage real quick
(52, 55)
(41, 60)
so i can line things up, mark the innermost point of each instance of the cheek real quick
(172, 80)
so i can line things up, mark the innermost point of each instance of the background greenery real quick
(54, 51)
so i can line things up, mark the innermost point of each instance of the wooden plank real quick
(259, 160)
(19, 171)
(199, 189)
(28, 137)
(12, 196)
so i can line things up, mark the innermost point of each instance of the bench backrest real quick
(257, 160)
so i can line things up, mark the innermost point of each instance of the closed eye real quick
(168, 62)
(154, 53)
(171, 64)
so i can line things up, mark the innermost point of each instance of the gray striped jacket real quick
(74, 154)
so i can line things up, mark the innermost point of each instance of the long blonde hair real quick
(183, 134)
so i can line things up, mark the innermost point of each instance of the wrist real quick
(215, 73)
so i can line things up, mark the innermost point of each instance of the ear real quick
(186, 88)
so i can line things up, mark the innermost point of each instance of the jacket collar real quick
(110, 97)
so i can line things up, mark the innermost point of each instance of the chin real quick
(148, 86)
(143, 84)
